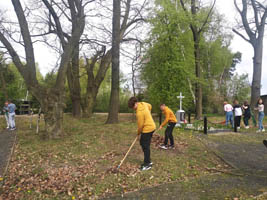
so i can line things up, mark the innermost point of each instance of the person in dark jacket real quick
(247, 114)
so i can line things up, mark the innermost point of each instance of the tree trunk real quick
(74, 83)
(52, 105)
(113, 116)
(199, 76)
(3, 83)
(89, 103)
(257, 71)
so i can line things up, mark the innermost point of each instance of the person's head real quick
(235, 102)
(246, 103)
(6, 103)
(260, 101)
(225, 102)
(132, 103)
(162, 106)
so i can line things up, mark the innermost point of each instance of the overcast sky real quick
(46, 59)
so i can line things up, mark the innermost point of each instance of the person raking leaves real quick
(171, 120)
(146, 128)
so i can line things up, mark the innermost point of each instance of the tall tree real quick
(254, 28)
(133, 16)
(73, 72)
(197, 26)
(51, 99)
(113, 116)
(170, 50)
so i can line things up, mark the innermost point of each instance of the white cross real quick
(181, 99)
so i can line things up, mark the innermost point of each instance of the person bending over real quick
(146, 128)
(171, 120)
(228, 108)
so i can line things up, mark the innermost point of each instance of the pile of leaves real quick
(45, 178)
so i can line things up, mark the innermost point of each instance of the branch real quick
(207, 18)
(13, 54)
(245, 20)
(58, 24)
(255, 9)
(237, 8)
(31, 72)
(183, 6)
(241, 35)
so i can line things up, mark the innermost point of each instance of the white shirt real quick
(238, 111)
(261, 108)
(228, 107)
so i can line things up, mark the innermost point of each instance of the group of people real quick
(147, 126)
(235, 112)
(9, 113)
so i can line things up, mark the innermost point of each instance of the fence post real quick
(189, 118)
(205, 125)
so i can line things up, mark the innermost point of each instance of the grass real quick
(80, 165)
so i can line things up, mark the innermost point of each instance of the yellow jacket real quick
(144, 118)
(169, 116)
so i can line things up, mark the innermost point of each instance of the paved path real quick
(7, 139)
(244, 151)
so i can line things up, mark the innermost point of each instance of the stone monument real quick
(180, 114)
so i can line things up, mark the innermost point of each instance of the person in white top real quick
(260, 108)
(228, 108)
(238, 114)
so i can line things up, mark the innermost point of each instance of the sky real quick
(47, 60)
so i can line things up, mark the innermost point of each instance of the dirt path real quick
(7, 139)
(244, 151)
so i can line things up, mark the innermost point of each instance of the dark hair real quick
(162, 104)
(132, 101)
(246, 102)
(259, 100)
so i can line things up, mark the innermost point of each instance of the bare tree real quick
(197, 27)
(254, 28)
(98, 64)
(114, 104)
(51, 99)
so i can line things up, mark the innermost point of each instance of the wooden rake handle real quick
(128, 151)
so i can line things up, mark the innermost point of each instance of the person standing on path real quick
(11, 115)
(247, 114)
(5, 111)
(171, 120)
(260, 108)
(228, 108)
(238, 114)
(146, 128)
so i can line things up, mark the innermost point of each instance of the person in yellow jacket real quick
(171, 120)
(146, 128)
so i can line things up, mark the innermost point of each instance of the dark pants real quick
(237, 120)
(168, 133)
(145, 141)
(245, 119)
